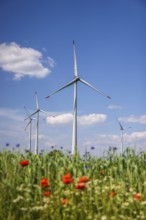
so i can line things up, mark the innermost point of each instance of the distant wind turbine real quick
(30, 127)
(122, 132)
(74, 82)
(37, 123)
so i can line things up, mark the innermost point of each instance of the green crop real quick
(57, 187)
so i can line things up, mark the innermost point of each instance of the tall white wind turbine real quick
(38, 110)
(74, 82)
(30, 127)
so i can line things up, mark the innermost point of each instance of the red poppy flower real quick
(46, 193)
(112, 194)
(24, 163)
(83, 179)
(80, 186)
(67, 178)
(44, 182)
(64, 201)
(137, 196)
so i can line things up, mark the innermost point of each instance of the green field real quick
(55, 186)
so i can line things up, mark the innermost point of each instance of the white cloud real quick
(114, 107)
(141, 135)
(60, 119)
(91, 119)
(84, 120)
(134, 119)
(22, 61)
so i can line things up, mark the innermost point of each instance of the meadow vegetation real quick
(55, 186)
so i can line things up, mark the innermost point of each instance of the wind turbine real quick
(74, 82)
(38, 110)
(122, 132)
(30, 127)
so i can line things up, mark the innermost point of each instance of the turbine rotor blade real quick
(37, 104)
(65, 86)
(45, 112)
(75, 62)
(33, 114)
(27, 118)
(87, 84)
(27, 125)
(121, 127)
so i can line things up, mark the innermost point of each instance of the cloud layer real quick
(139, 135)
(84, 120)
(12, 130)
(92, 119)
(60, 119)
(23, 61)
(134, 119)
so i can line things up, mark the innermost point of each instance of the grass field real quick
(55, 186)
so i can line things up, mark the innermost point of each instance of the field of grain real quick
(55, 186)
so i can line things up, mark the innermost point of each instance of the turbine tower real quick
(30, 127)
(38, 110)
(74, 82)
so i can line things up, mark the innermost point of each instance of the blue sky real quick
(36, 54)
